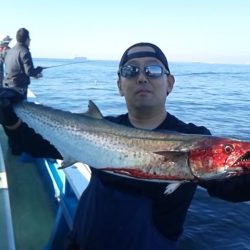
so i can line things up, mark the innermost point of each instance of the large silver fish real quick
(136, 153)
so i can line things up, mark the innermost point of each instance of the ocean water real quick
(213, 95)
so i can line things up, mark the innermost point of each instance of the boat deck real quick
(39, 201)
(32, 212)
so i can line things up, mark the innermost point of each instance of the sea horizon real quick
(117, 60)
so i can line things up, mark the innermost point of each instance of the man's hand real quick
(39, 74)
(8, 117)
(39, 69)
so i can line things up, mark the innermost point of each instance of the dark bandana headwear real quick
(157, 54)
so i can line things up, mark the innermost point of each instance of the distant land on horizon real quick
(82, 58)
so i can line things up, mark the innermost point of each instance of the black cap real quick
(157, 54)
(6, 40)
(21, 35)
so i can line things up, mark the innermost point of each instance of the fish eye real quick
(228, 149)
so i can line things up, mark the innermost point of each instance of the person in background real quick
(18, 70)
(19, 67)
(4, 47)
(116, 212)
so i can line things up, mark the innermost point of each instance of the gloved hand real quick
(39, 69)
(8, 116)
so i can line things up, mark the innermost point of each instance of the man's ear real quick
(119, 86)
(171, 81)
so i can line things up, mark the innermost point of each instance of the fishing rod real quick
(61, 65)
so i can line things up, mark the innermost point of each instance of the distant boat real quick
(80, 58)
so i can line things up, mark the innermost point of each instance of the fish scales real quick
(135, 153)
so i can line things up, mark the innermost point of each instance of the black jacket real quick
(19, 67)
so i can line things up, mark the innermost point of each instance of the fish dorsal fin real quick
(93, 111)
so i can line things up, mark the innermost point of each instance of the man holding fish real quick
(127, 207)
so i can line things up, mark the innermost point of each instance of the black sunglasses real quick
(152, 71)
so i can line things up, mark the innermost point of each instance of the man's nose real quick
(141, 78)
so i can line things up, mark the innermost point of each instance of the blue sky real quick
(186, 30)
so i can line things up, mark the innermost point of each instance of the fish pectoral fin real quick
(93, 111)
(66, 164)
(170, 188)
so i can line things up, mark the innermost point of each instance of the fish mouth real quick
(244, 159)
(243, 163)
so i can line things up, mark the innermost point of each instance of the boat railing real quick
(7, 240)
(66, 186)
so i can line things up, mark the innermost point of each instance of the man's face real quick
(141, 91)
(27, 42)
